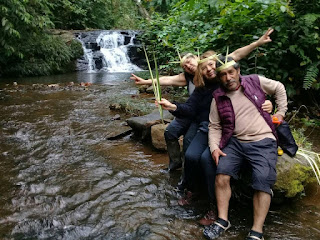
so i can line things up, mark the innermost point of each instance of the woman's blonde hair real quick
(198, 77)
(185, 57)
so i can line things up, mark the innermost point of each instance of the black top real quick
(197, 107)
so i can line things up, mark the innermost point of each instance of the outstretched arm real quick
(176, 80)
(244, 51)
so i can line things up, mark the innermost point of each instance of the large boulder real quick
(141, 125)
(294, 173)
(157, 136)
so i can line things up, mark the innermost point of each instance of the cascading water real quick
(111, 51)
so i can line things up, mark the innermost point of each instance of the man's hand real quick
(166, 104)
(216, 155)
(265, 38)
(280, 117)
(267, 106)
(138, 80)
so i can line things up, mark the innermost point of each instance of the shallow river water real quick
(60, 178)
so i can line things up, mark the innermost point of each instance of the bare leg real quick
(223, 195)
(261, 204)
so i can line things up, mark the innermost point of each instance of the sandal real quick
(215, 230)
(254, 236)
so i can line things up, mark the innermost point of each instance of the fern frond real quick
(310, 19)
(312, 73)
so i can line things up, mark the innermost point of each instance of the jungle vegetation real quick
(28, 47)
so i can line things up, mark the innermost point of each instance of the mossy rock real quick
(293, 175)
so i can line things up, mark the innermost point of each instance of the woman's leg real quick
(208, 167)
(176, 128)
(190, 134)
(192, 159)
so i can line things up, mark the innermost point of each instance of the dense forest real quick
(30, 47)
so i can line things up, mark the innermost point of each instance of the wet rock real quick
(143, 88)
(141, 126)
(53, 86)
(116, 117)
(38, 86)
(116, 136)
(115, 106)
(157, 136)
(293, 175)
(149, 89)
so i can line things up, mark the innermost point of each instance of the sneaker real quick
(208, 219)
(215, 230)
(186, 200)
(254, 236)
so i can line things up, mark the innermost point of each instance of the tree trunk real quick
(142, 10)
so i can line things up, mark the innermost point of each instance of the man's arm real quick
(176, 80)
(244, 51)
(276, 88)
(215, 132)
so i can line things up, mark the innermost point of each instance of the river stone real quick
(293, 174)
(157, 136)
(141, 125)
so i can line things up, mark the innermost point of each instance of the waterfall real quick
(109, 51)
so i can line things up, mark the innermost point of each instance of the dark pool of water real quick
(62, 179)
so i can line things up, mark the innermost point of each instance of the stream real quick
(62, 179)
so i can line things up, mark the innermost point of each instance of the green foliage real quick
(311, 74)
(292, 57)
(45, 54)
(301, 139)
(98, 14)
(18, 20)
(158, 5)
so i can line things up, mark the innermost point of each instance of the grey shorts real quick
(260, 155)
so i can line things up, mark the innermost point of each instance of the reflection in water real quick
(61, 179)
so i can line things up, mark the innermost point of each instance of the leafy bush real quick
(98, 14)
(45, 55)
(292, 58)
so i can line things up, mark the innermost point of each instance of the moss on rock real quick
(293, 181)
(293, 175)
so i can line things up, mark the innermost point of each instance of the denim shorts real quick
(261, 156)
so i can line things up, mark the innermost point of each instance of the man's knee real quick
(222, 181)
(263, 182)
